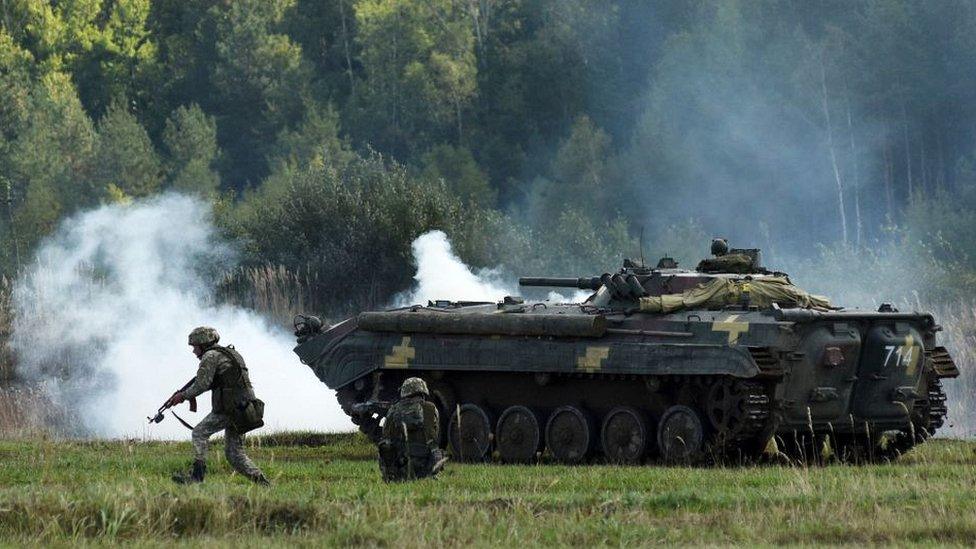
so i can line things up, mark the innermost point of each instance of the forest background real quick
(543, 136)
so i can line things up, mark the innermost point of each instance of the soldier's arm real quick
(432, 427)
(205, 375)
(390, 421)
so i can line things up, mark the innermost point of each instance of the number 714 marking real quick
(902, 355)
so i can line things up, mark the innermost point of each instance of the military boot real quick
(195, 475)
(259, 478)
(438, 466)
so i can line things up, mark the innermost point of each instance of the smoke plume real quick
(103, 314)
(442, 275)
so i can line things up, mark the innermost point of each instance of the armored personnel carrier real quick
(678, 365)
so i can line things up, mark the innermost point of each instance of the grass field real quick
(327, 491)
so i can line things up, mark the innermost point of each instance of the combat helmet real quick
(720, 247)
(203, 336)
(413, 386)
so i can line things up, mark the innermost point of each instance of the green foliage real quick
(902, 270)
(315, 142)
(190, 141)
(233, 60)
(259, 79)
(351, 222)
(419, 71)
(559, 127)
(580, 163)
(687, 242)
(326, 33)
(103, 44)
(585, 246)
(579, 180)
(458, 168)
(40, 213)
(938, 222)
(124, 156)
(15, 66)
(48, 159)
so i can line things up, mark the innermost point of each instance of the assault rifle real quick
(371, 407)
(158, 418)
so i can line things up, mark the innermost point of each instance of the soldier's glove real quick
(175, 399)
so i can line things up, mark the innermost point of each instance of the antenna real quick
(642, 247)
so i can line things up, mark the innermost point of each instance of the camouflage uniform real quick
(409, 448)
(214, 365)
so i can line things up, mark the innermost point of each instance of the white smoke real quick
(103, 314)
(441, 275)
(578, 296)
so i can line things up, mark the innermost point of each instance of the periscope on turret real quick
(659, 364)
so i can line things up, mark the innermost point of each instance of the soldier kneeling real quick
(408, 449)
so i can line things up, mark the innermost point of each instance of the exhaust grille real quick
(769, 364)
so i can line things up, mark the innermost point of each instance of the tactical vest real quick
(410, 443)
(231, 385)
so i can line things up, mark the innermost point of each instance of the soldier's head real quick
(202, 338)
(720, 246)
(413, 386)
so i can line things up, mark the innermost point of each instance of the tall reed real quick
(280, 293)
(6, 325)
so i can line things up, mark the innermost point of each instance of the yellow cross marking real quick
(593, 359)
(913, 357)
(735, 329)
(401, 355)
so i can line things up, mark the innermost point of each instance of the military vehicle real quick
(679, 365)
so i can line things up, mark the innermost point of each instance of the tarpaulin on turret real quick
(720, 292)
(729, 263)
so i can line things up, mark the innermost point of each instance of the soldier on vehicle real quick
(235, 409)
(408, 449)
(720, 246)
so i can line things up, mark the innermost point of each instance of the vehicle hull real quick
(798, 376)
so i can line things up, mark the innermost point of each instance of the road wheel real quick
(570, 434)
(680, 435)
(624, 435)
(518, 435)
(469, 433)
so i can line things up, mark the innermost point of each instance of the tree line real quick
(542, 135)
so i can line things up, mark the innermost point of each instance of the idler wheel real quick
(518, 435)
(570, 434)
(624, 435)
(680, 435)
(469, 433)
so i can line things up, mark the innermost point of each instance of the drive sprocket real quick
(739, 412)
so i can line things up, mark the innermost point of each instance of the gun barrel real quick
(586, 283)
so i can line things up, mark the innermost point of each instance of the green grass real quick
(106, 492)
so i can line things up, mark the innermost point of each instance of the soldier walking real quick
(408, 449)
(235, 409)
